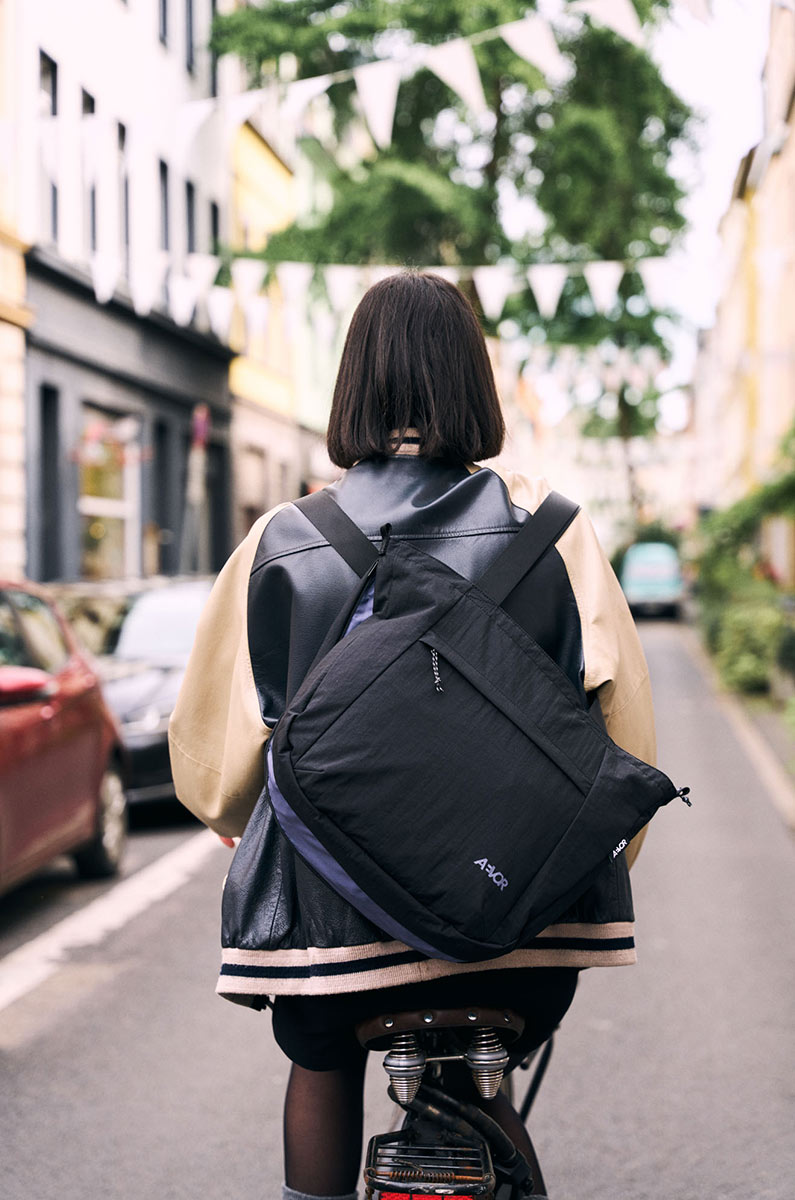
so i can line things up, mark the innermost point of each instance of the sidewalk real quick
(762, 729)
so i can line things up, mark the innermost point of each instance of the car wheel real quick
(102, 856)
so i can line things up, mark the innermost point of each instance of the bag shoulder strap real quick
(339, 530)
(543, 528)
(550, 520)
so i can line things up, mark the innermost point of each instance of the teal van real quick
(651, 579)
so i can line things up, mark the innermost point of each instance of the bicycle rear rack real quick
(397, 1166)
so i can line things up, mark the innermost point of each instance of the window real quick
(213, 55)
(164, 222)
(190, 217)
(215, 228)
(88, 106)
(48, 107)
(48, 86)
(124, 193)
(49, 490)
(162, 9)
(41, 631)
(190, 60)
(110, 494)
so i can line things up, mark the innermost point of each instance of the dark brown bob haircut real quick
(415, 358)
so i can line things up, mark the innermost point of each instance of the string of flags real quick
(343, 286)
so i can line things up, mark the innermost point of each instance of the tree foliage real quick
(594, 156)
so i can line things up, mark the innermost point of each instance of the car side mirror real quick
(24, 685)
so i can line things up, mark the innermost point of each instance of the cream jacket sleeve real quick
(216, 734)
(615, 665)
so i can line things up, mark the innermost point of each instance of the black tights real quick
(323, 1114)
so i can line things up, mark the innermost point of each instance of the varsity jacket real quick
(286, 931)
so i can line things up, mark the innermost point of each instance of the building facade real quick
(744, 385)
(119, 183)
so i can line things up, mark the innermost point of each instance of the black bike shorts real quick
(317, 1032)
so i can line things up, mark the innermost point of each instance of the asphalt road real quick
(124, 1076)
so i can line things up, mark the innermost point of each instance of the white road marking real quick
(29, 965)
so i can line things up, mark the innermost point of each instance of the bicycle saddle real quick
(377, 1033)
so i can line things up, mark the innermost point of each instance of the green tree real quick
(594, 155)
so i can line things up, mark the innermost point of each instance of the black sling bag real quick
(436, 767)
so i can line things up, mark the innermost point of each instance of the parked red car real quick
(61, 773)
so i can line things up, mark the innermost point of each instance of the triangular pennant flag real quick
(48, 144)
(658, 282)
(533, 40)
(294, 280)
(618, 15)
(494, 286)
(95, 137)
(202, 269)
(220, 306)
(451, 274)
(238, 109)
(377, 84)
(603, 279)
(105, 271)
(300, 94)
(547, 281)
(147, 274)
(190, 118)
(379, 274)
(247, 277)
(699, 9)
(257, 310)
(454, 63)
(182, 294)
(343, 285)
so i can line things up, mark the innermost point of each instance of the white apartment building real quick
(118, 158)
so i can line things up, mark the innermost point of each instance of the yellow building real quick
(14, 320)
(745, 381)
(266, 441)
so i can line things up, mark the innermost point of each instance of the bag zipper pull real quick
(385, 532)
(683, 793)
(437, 679)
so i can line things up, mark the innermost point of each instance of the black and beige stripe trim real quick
(318, 972)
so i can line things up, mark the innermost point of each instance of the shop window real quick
(110, 495)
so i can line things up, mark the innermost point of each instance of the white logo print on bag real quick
(494, 875)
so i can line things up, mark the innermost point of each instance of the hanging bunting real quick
(533, 40)
(699, 9)
(202, 269)
(343, 285)
(494, 286)
(300, 94)
(294, 280)
(105, 272)
(657, 276)
(247, 277)
(379, 274)
(603, 279)
(96, 139)
(454, 63)
(547, 281)
(190, 119)
(257, 311)
(182, 296)
(377, 84)
(618, 15)
(451, 274)
(147, 275)
(220, 307)
(239, 109)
